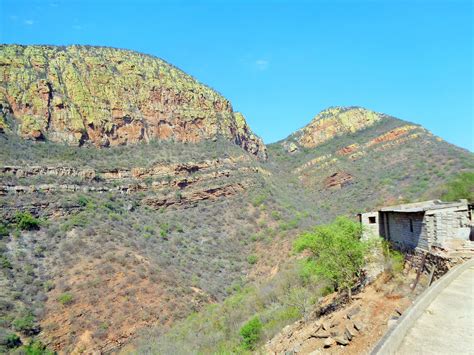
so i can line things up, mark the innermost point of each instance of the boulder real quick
(350, 330)
(358, 326)
(329, 342)
(352, 312)
(321, 334)
(341, 340)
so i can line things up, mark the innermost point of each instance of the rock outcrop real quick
(333, 122)
(104, 96)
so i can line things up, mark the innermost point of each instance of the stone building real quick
(424, 225)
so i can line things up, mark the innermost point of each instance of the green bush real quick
(5, 263)
(251, 332)
(78, 220)
(36, 348)
(258, 200)
(252, 259)
(83, 201)
(337, 252)
(65, 298)
(25, 221)
(276, 215)
(25, 324)
(461, 187)
(8, 340)
(3, 230)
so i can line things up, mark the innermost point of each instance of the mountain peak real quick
(336, 121)
(106, 96)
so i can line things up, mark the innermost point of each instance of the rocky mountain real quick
(351, 158)
(107, 96)
(334, 122)
(102, 237)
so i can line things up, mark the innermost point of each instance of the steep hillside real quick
(132, 196)
(128, 237)
(107, 96)
(350, 159)
(345, 161)
(96, 244)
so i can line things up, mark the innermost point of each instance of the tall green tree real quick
(337, 253)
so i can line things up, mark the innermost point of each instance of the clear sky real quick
(281, 62)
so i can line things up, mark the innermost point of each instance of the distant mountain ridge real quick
(106, 96)
(333, 122)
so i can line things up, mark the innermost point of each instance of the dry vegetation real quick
(104, 266)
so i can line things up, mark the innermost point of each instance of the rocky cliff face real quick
(336, 121)
(107, 97)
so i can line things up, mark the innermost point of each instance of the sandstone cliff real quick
(105, 96)
(335, 121)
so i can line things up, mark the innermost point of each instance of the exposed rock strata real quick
(193, 197)
(107, 97)
(335, 122)
(338, 180)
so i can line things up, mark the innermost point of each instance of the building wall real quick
(446, 225)
(407, 230)
(370, 229)
(442, 228)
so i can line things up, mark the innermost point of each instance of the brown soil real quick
(367, 318)
(111, 302)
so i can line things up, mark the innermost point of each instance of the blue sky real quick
(281, 62)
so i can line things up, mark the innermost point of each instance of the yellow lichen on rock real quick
(107, 96)
(334, 122)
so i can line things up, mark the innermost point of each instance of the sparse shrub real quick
(65, 298)
(36, 348)
(3, 230)
(394, 260)
(276, 215)
(25, 324)
(258, 200)
(5, 263)
(460, 187)
(8, 340)
(252, 259)
(82, 200)
(251, 332)
(25, 221)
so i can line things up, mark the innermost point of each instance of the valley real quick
(140, 213)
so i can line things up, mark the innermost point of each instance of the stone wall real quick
(437, 263)
(446, 225)
(407, 230)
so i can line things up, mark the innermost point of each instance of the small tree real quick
(337, 252)
(251, 333)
